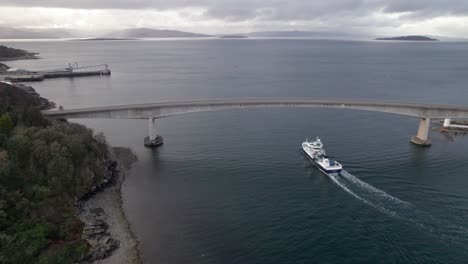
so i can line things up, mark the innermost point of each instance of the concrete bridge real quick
(153, 111)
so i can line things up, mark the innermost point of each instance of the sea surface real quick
(232, 186)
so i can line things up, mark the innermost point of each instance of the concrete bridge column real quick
(423, 132)
(153, 140)
(152, 128)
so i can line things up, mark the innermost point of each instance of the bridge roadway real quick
(152, 111)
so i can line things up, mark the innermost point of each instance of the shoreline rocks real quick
(101, 243)
(106, 229)
(43, 103)
(4, 67)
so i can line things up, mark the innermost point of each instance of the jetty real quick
(73, 70)
(449, 126)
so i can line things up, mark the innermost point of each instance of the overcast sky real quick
(376, 17)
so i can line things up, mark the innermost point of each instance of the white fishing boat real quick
(314, 150)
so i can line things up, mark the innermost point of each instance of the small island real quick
(409, 38)
(8, 54)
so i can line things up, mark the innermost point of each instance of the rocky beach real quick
(106, 228)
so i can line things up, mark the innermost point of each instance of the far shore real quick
(103, 39)
(32, 56)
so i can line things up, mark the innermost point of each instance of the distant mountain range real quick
(300, 34)
(153, 33)
(21, 33)
(157, 33)
(140, 33)
(135, 33)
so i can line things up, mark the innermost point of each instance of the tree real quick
(3, 140)
(32, 117)
(19, 150)
(6, 125)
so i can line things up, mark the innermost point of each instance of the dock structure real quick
(73, 70)
(22, 78)
(457, 125)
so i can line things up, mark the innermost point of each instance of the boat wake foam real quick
(400, 209)
(368, 194)
(370, 190)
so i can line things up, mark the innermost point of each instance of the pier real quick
(450, 126)
(73, 70)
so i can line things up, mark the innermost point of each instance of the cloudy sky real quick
(376, 17)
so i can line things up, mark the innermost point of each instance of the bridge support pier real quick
(152, 140)
(423, 133)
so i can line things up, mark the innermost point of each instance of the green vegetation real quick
(6, 125)
(44, 166)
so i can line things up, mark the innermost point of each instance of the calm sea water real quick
(233, 186)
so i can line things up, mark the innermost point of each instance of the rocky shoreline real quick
(44, 104)
(106, 228)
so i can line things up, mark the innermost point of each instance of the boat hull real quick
(319, 166)
(158, 141)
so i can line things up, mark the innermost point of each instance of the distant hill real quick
(153, 33)
(410, 38)
(299, 34)
(103, 39)
(22, 33)
(233, 37)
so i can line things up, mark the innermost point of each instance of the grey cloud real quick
(239, 10)
(418, 9)
(110, 4)
(431, 6)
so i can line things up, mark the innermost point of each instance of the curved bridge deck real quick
(156, 110)
(162, 109)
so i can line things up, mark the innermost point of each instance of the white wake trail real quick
(336, 179)
(400, 209)
(379, 194)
